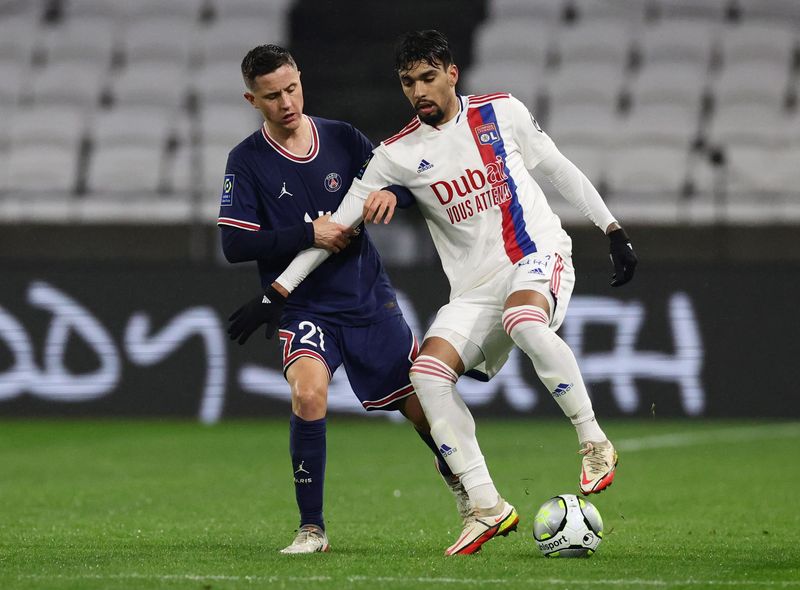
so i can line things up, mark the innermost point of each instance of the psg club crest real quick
(333, 182)
(487, 134)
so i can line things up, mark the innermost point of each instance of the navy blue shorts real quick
(377, 357)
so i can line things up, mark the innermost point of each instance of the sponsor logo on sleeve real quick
(226, 200)
(363, 168)
(535, 122)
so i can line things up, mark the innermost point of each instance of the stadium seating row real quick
(654, 99)
(99, 42)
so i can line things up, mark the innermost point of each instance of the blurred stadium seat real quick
(154, 84)
(520, 79)
(18, 37)
(683, 83)
(228, 124)
(67, 82)
(251, 9)
(133, 125)
(11, 73)
(547, 13)
(513, 41)
(124, 169)
(43, 167)
(661, 124)
(712, 10)
(38, 125)
(218, 83)
(126, 11)
(634, 11)
(586, 84)
(594, 125)
(752, 83)
(678, 40)
(768, 10)
(654, 171)
(592, 40)
(167, 40)
(758, 42)
(228, 40)
(752, 124)
(88, 41)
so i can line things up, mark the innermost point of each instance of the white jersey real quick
(471, 181)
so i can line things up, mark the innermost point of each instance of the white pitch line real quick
(722, 435)
(594, 582)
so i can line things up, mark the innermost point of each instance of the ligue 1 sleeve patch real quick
(363, 168)
(227, 190)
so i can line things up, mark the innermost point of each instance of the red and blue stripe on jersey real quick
(517, 241)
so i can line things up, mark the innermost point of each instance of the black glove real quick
(622, 257)
(264, 309)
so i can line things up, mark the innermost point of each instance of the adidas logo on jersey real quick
(423, 166)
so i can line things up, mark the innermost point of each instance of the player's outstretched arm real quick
(330, 235)
(351, 212)
(573, 185)
(267, 309)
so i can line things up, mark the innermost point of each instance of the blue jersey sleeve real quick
(238, 205)
(242, 236)
(239, 245)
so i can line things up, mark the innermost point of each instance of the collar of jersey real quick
(289, 155)
(462, 109)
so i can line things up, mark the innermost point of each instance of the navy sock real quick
(308, 451)
(428, 440)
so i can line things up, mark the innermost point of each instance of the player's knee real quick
(309, 400)
(529, 318)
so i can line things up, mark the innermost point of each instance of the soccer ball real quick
(567, 526)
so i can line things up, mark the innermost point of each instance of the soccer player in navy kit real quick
(280, 185)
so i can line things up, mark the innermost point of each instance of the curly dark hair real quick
(264, 59)
(430, 46)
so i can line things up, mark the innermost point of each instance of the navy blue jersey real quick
(268, 188)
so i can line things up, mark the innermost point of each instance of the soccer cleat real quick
(453, 483)
(598, 466)
(482, 525)
(310, 539)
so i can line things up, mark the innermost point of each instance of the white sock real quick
(555, 364)
(453, 428)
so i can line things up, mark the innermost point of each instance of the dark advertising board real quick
(151, 341)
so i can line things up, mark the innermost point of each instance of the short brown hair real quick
(264, 59)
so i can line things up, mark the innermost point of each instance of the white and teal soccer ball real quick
(567, 526)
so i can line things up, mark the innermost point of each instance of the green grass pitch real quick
(120, 505)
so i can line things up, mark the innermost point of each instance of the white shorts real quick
(476, 315)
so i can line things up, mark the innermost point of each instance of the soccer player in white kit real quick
(467, 161)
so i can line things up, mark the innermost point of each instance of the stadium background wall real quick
(700, 336)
